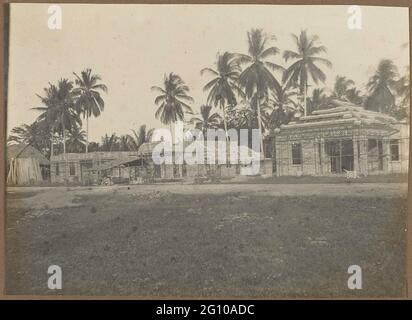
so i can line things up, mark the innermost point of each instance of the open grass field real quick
(261, 240)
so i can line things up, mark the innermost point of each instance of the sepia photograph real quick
(207, 151)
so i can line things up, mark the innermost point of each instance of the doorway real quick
(340, 153)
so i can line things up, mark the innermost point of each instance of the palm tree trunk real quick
(51, 146)
(173, 140)
(172, 133)
(260, 128)
(87, 132)
(64, 137)
(64, 149)
(222, 105)
(304, 98)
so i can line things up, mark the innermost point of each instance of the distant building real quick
(341, 139)
(137, 167)
(92, 167)
(26, 165)
(216, 169)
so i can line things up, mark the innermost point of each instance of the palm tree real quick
(207, 119)
(89, 99)
(354, 96)
(344, 89)
(109, 143)
(242, 116)
(94, 146)
(173, 100)
(59, 113)
(22, 134)
(404, 93)
(380, 87)
(124, 143)
(256, 79)
(223, 86)
(142, 135)
(282, 97)
(76, 139)
(403, 89)
(306, 58)
(35, 134)
(281, 107)
(341, 87)
(274, 118)
(318, 100)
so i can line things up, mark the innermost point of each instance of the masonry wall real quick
(194, 170)
(309, 165)
(266, 167)
(64, 172)
(401, 166)
(316, 161)
(167, 171)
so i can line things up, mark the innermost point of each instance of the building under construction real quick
(342, 139)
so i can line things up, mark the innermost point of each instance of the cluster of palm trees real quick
(253, 90)
(126, 142)
(60, 120)
(40, 138)
(252, 78)
(387, 92)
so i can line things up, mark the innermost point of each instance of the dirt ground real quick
(238, 240)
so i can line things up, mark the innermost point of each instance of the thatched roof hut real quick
(24, 164)
(25, 151)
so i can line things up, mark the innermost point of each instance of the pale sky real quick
(133, 46)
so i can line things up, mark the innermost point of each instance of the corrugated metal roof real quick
(111, 164)
(147, 147)
(205, 146)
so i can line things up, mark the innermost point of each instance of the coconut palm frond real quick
(208, 70)
(173, 99)
(381, 87)
(306, 59)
